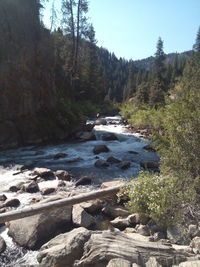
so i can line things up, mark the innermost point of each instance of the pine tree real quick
(197, 43)
(158, 86)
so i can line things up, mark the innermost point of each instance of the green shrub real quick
(156, 197)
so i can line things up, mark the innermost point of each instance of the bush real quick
(154, 196)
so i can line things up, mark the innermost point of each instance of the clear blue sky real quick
(130, 28)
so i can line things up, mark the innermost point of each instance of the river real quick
(128, 147)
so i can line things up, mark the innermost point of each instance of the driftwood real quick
(102, 247)
(39, 208)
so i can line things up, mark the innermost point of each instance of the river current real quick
(128, 147)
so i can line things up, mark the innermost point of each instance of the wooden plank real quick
(39, 208)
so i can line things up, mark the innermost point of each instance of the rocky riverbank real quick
(95, 233)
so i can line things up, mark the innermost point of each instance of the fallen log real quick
(39, 208)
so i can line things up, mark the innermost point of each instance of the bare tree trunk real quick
(39, 208)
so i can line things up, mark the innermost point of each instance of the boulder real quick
(120, 223)
(124, 165)
(60, 156)
(34, 231)
(86, 136)
(3, 197)
(113, 160)
(109, 137)
(100, 149)
(64, 249)
(92, 206)
(13, 203)
(63, 175)
(193, 230)
(100, 122)
(81, 218)
(48, 191)
(14, 188)
(31, 187)
(101, 163)
(112, 184)
(119, 262)
(178, 234)
(2, 245)
(143, 230)
(44, 173)
(152, 262)
(83, 181)
(115, 211)
(195, 243)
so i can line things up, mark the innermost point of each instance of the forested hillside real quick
(51, 78)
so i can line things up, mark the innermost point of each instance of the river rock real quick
(100, 122)
(92, 206)
(86, 136)
(60, 156)
(3, 197)
(195, 243)
(178, 234)
(119, 262)
(14, 188)
(2, 245)
(115, 211)
(100, 149)
(193, 230)
(120, 223)
(63, 175)
(124, 165)
(152, 262)
(112, 184)
(81, 218)
(143, 230)
(34, 231)
(109, 137)
(64, 249)
(31, 187)
(113, 160)
(44, 173)
(101, 163)
(48, 191)
(83, 181)
(13, 203)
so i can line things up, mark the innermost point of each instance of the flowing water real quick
(128, 147)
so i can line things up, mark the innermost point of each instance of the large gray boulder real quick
(86, 136)
(34, 231)
(64, 249)
(80, 217)
(2, 245)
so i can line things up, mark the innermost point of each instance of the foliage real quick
(154, 196)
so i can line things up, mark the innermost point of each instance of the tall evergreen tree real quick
(197, 43)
